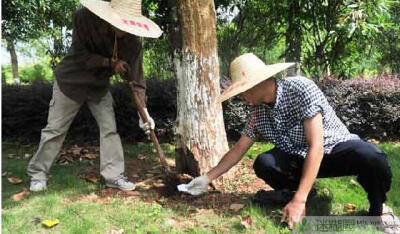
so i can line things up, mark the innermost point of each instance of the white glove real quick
(150, 125)
(196, 187)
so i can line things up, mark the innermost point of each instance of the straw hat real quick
(125, 15)
(247, 71)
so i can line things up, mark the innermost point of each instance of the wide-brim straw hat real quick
(247, 71)
(125, 15)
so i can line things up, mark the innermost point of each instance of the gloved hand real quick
(146, 127)
(196, 187)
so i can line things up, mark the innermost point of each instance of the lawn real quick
(78, 199)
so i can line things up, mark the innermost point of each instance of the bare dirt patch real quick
(153, 185)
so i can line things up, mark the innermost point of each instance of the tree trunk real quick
(14, 59)
(293, 37)
(201, 137)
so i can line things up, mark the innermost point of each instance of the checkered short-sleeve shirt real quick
(297, 99)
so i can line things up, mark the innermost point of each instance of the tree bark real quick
(201, 137)
(293, 37)
(14, 59)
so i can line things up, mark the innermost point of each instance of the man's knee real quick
(263, 163)
(372, 156)
(374, 163)
(53, 131)
(107, 129)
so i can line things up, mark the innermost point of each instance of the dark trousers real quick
(355, 157)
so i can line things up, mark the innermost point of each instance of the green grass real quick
(67, 200)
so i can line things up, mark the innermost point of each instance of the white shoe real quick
(390, 221)
(122, 183)
(37, 186)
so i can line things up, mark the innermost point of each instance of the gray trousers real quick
(62, 111)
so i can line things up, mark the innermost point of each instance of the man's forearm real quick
(227, 162)
(310, 172)
(231, 158)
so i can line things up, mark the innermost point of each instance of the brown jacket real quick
(84, 73)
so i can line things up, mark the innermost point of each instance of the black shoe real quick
(273, 197)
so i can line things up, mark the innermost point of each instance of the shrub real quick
(25, 110)
(369, 107)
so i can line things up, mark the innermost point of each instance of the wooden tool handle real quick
(153, 136)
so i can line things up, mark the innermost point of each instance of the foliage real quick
(389, 44)
(235, 117)
(336, 37)
(29, 73)
(25, 20)
(156, 60)
(25, 110)
(250, 30)
(18, 20)
(343, 38)
(369, 107)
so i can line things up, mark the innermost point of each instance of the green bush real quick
(28, 73)
(35, 72)
(369, 107)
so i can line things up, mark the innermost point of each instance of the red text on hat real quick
(136, 24)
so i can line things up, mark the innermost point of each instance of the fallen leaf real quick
(21, 195)
(120, 231)
(236, 207)
(92, 178)
(131, 193)
(246, 221)
(170, 222)
(50, 223)
(14, 180)
(76, 150)
(158, 185)
(353, 182)
(91, 156)
(143, 186)
(65, 158)
(6, 173)
(350, 207)
(373, 141)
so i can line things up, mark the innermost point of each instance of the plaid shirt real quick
(297, 99)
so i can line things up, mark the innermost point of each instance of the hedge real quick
(369, 107)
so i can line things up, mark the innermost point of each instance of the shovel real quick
(172, 177)
(153, 136)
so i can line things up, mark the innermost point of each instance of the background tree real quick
(18, 24)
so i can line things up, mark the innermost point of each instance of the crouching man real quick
(310, 140)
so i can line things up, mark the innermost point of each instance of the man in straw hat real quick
(104, 42)
(310, 140)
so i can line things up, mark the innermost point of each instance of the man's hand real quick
(146, 127)
(294, 212)
(196, 187)
(120, 66)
